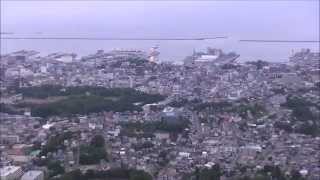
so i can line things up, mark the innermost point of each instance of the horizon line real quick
(107, 38)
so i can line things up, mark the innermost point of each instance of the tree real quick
(259, 64)
(55, 168)
(295, 175)
(97, 141)
(274, 171)
(139, 175)
(214, 173)
(73, 175)
(56, 142)
(261, 177)
(91, 154)
(84, 100)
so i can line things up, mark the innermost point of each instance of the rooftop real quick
(5, 171)
(31, 175)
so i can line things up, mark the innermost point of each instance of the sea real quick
(170, 50)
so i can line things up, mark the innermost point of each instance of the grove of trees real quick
(84, 100)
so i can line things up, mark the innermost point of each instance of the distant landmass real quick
(284, 41)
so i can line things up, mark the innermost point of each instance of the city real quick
(159, 90)
(123, 114)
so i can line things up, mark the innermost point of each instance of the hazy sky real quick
(297, 20)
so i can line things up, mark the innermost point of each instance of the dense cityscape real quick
(124, 115)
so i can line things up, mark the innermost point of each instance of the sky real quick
(289, 20)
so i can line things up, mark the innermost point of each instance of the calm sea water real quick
(169, 50)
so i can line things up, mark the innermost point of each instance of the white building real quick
(68, 58)
(207, 58)
(11, 139)
(33, 175)
(48, 125)
(25, 72)
(10, 173)
(43, 69)
(184, 154)
(115, 132)
(63, 57)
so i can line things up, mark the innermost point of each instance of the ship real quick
(213, 56)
